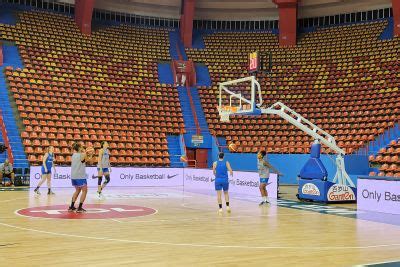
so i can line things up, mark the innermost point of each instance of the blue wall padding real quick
(288, 164)
(355, 164)
(165, 74)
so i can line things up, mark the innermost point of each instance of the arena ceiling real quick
(237, 9)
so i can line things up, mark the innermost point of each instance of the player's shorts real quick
(264, 180)
(79, 182)
(105, 170)
(44, 171)
(221, 185)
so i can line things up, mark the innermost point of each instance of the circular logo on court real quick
(93, 211)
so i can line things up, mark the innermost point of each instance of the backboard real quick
(241, 96)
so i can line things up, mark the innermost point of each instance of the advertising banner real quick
(378, 195)
(325, 191)
(119, 177)
(246, 183)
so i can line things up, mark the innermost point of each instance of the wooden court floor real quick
(186, 230)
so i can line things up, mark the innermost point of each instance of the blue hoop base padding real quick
(325, 191)
(314, 168)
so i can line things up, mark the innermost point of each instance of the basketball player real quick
(103, 168)
(79, 176)
(263, 171)
(48, 164)
(220, 169)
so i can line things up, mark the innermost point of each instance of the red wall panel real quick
(396, 17)
(83, 15)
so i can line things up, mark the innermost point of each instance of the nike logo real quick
(212, 180)
(171, 176)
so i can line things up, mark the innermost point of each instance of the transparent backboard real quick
(241, 96)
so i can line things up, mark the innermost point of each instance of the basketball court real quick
(172, 227)
(123, 123)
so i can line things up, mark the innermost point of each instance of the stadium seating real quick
(105, 87)
(388, 159)
(344, 79)
(92, 88)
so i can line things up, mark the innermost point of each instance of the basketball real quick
(90, 150)
(232, 147)
(7, 184)
(183, 158)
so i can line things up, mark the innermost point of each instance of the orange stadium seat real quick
(347, 69)
(388, 159)
(63, 86)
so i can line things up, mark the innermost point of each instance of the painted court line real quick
(194, 245)
(381, 264)
(205, 218)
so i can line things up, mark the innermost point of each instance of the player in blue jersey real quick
(103, 168)
(48, 164)
(220, 169)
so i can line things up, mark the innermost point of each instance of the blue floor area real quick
(12, 58)
(202, 75)
(173, 39)
(387, 33)
(165, 74)
(199, 111)
(182, 50)
(188, 119)
(382, 140)
(198, 41)
(174, 151)
(8, 16)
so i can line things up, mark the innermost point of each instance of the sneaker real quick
(99, 195)
(220, 211)
(71, 209)
(228, 209)
(50, 193)
(80, 210)
(262, 203)
(36, 191)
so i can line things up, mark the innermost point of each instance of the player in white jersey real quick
(263, 171)
(79, 176)
(103, 168)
